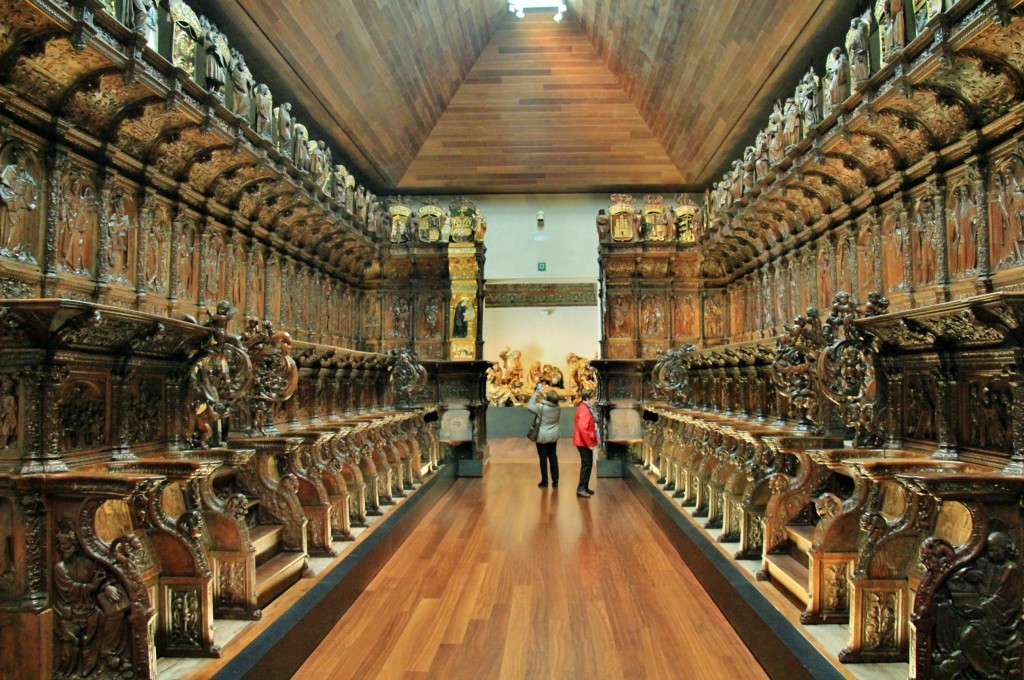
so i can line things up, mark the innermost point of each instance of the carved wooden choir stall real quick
(209, 335)
(870, 452)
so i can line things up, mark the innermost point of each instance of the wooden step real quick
(278, 574)
(789, 574)
(266, 541)
(801, 536)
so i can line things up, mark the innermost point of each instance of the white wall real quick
(568, 245)
(542, 337)
(570, 250)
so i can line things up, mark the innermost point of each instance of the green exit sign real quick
(542, 266)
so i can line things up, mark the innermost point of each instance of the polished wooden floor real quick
(505, 580)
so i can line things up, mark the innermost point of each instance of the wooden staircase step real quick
(790, 574)
(278, 574)
(266, 541)
(801, 536)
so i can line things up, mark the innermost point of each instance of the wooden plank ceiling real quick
(539, 112)
(458, 96)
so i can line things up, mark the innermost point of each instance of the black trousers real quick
(548, 453)
(586, 465)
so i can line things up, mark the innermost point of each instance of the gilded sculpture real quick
(508, 385)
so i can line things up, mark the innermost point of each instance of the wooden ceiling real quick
(458, 96)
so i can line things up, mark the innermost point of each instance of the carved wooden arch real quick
(757, 240)
(228, 174)
(87, 81)
(779, 201)
(131, 111)
(824, 172)
(853, 164)
(249, 187)
(295, 226)
(947, 98)
(805, 210)
(208, 163)
(831, 194)
(96, 112)
(28, 43)
(267, 196)
(880, 142)
(799, 183)
(907, 122)
(176, 133)
(45, 86)
(774, 226)
(153, 113)
(970, 76)
(996, 63)
(274, 204)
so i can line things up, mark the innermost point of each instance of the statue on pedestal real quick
(837, 69)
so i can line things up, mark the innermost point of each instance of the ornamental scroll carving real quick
(819, 365)
(846, 369)
(796, 355)
(671, 373)
(275, 375)
(221, 373)
(407, 377)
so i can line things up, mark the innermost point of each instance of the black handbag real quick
(534, 430)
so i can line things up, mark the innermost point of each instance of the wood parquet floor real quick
(505, 580)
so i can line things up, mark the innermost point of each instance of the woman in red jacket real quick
(584, 438)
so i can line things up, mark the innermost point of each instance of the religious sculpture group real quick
(508, 384)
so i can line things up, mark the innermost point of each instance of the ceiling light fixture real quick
(519, 7)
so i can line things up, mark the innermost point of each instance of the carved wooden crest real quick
(622, 216)
(431, 219)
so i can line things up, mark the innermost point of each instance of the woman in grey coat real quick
(547, 436)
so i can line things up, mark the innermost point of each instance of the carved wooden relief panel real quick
(122, 227)
(22, 187)
(77, 211)
(714, 318)
(962, 228)
(82, 413)
(894, 255)
(685, 322)
(186, 261)
(1006, 211)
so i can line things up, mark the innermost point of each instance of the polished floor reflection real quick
(505, 580)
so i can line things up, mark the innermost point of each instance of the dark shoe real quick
(543, 485)
(583, 493)
(590, 491)
(554, 484)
